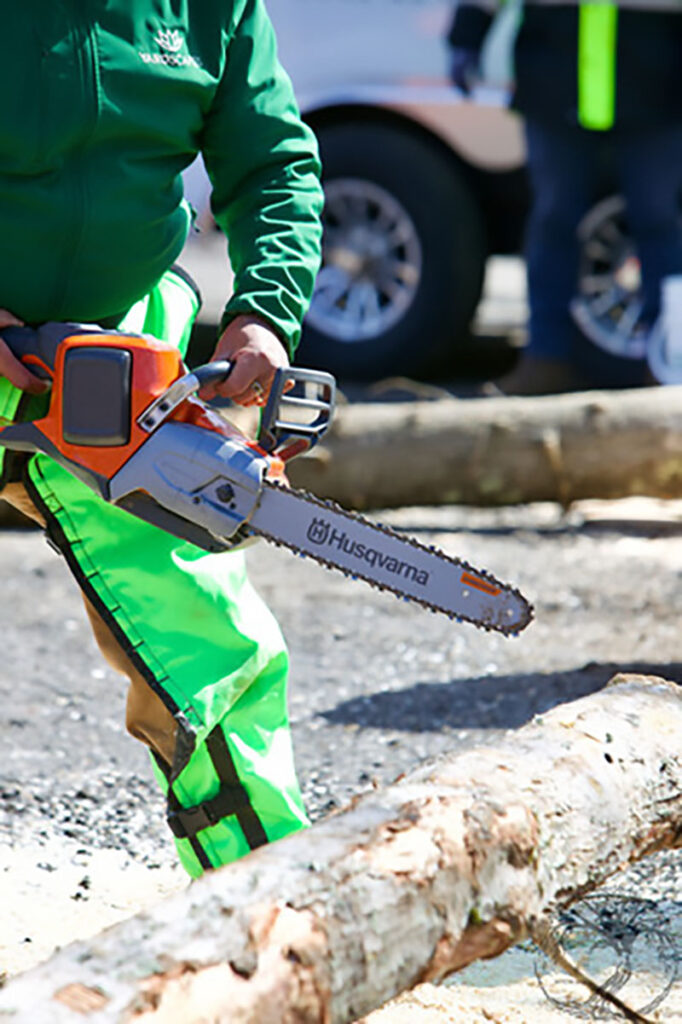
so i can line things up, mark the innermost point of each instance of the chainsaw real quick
(125, 418)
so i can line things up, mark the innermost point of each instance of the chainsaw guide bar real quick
(387, 560)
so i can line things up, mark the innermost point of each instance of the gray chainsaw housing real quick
(194, 483)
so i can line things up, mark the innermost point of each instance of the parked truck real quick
(422, 185)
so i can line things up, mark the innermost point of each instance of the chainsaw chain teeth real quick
(332, 506)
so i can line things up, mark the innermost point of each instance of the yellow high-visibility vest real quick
(596, 58)
(597, 40)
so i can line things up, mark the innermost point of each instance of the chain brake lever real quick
(277, 427)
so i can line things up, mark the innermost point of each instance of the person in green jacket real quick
(104, 107)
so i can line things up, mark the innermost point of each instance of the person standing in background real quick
(595, 82)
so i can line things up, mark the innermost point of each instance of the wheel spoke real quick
(393, 284)
(612, 234)
(598, 250)
(595, 284)
(330, 287)
(627, 323)
(359, 301)
(371, 262)
(606, 302)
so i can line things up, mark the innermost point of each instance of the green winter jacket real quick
(105, 102)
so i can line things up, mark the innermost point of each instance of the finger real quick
(249, 382)
(255, 394)
(8, 319)
(17, 374)
(247, 396)
(245, 374)
(240, 379)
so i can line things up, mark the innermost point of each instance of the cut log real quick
(457, 861)
(492, 451)
(500, 451)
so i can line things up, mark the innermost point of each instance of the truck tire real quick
(613, 341)
(404, 255)
(609, 301)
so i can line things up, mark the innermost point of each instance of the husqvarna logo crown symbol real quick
(169, 40)
(318, 531)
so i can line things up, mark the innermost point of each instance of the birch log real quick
(499, 451)
(455, 862)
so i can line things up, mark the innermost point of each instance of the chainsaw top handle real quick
(162, 407)
(278, 432)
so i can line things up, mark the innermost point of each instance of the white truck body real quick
(392, 54)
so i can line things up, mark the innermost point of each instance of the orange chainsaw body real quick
(154, 366)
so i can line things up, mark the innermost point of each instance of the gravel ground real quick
(376, 687)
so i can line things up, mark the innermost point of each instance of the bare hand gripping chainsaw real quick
(124, 418)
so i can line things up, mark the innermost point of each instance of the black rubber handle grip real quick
(40, 343)
(213, 373)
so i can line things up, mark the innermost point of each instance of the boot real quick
(534, 375)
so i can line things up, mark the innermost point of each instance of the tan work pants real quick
(147, 718)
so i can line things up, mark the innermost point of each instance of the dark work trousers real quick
(568, 167)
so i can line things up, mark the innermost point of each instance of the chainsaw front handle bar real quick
(275, 428)
(289, 417)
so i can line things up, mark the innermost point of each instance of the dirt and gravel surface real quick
(376, 687)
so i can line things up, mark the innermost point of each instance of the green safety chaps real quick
(205, 659)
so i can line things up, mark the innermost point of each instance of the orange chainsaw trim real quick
(484, 585)
(36, 361)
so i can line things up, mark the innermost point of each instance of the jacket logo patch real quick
(169, 39)
(170, 42)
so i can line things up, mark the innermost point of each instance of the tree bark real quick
(500, 451)
(457, 861)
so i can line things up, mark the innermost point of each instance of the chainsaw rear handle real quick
(36, 347)
(213, 373)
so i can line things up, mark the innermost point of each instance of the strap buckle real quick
(185, 822)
